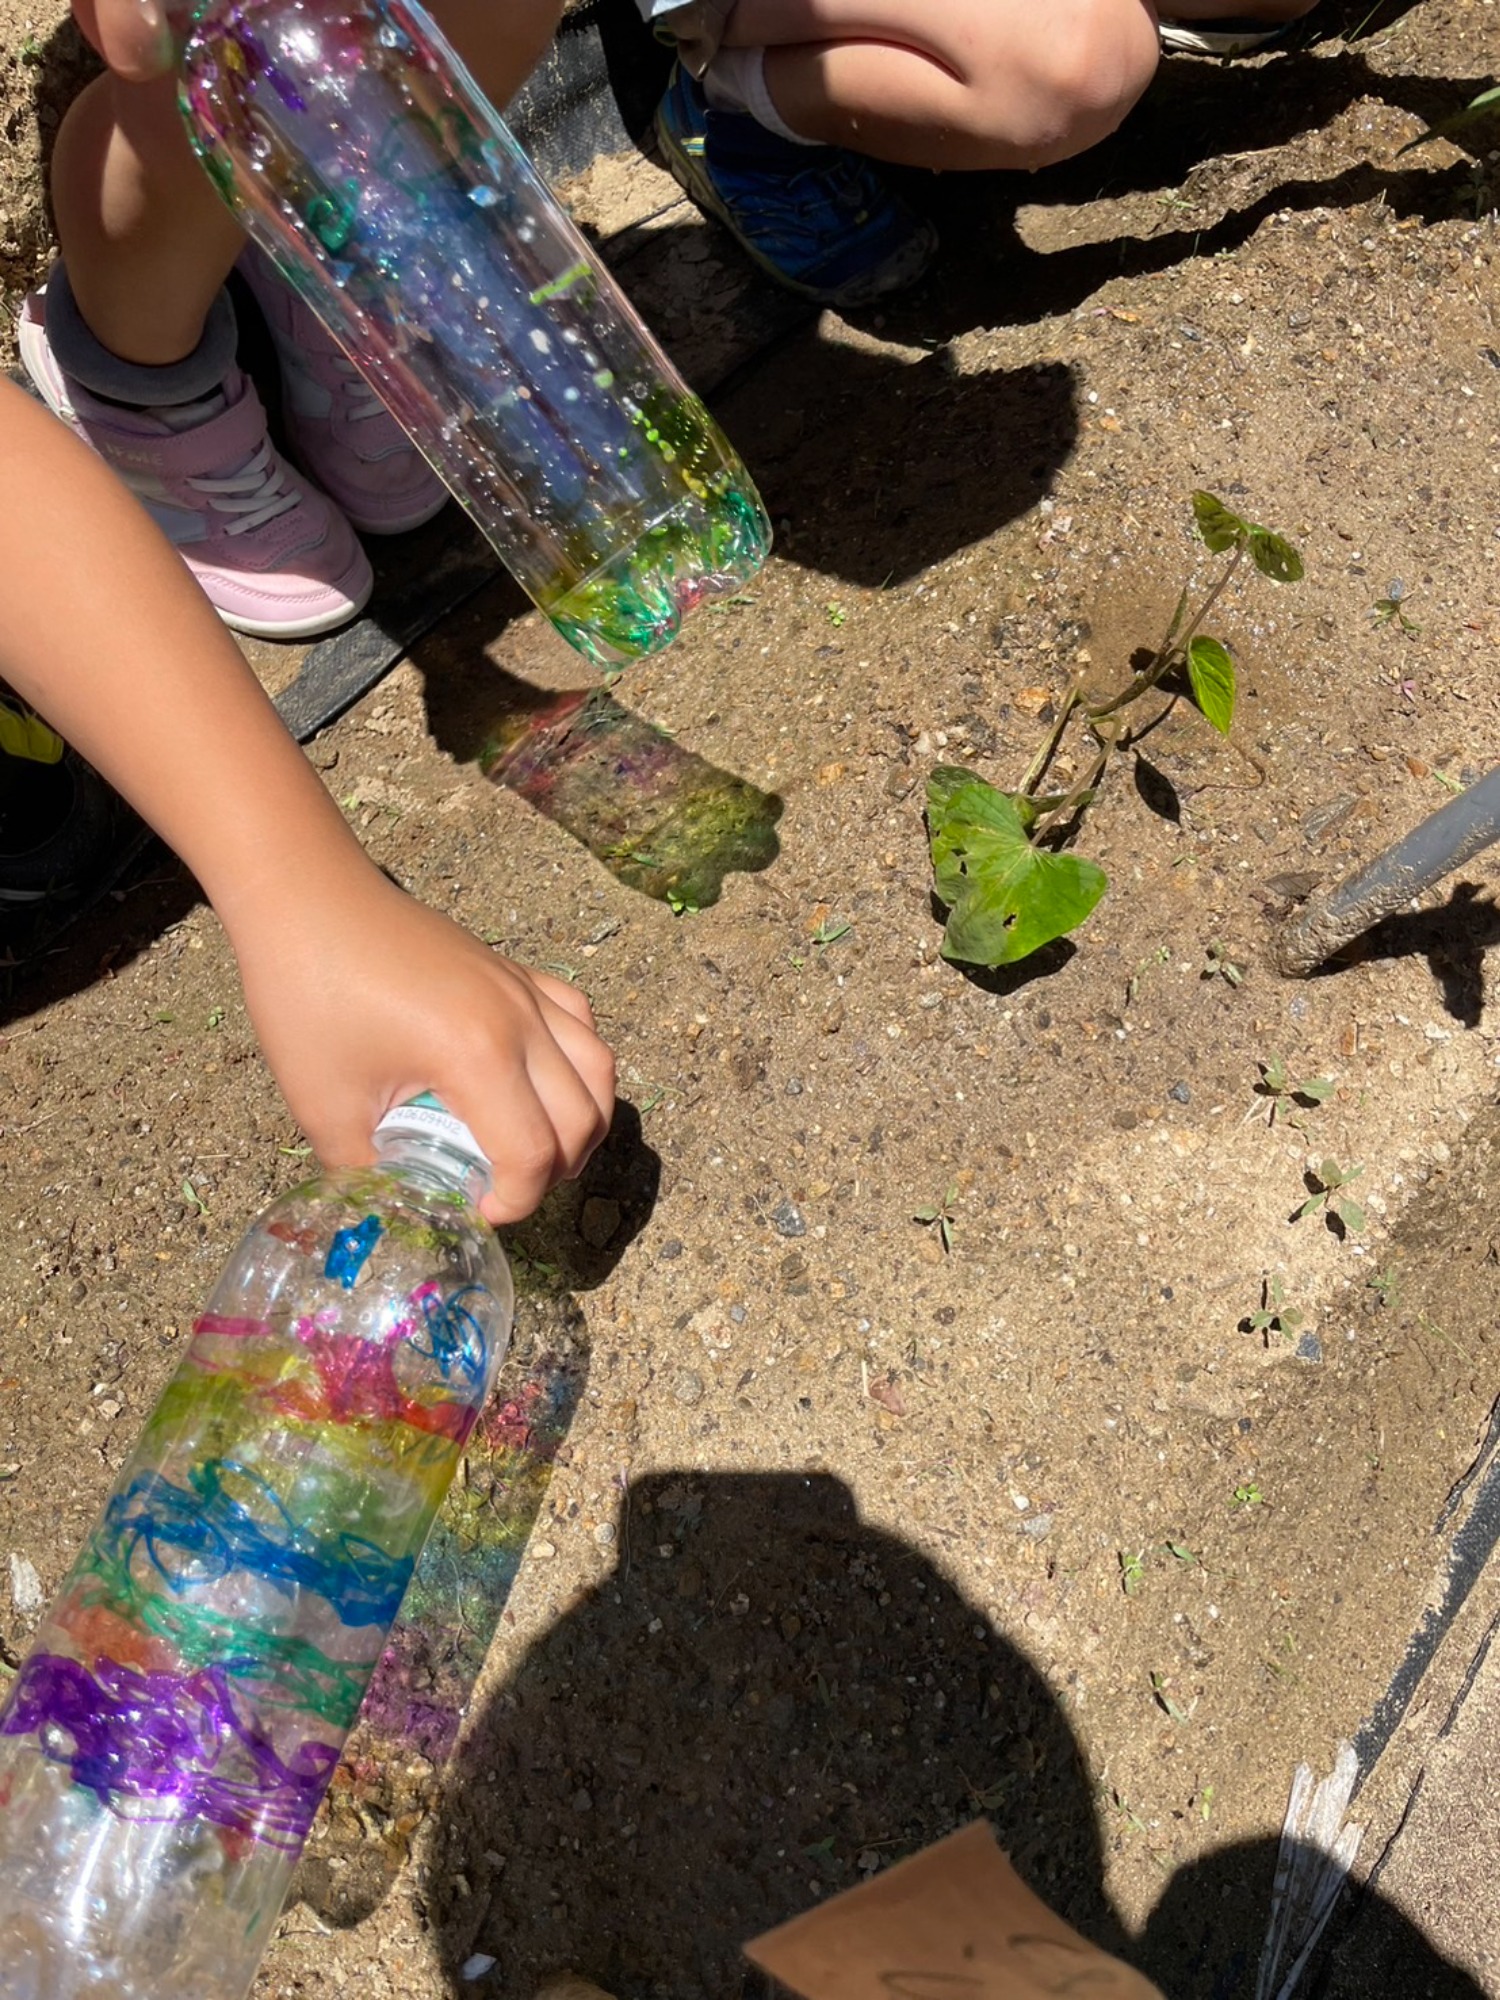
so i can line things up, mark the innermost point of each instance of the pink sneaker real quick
(274, 557)
(341, 432)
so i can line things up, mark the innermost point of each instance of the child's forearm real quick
(359, 996)
(105, 635)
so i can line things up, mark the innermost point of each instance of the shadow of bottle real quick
(661, 818)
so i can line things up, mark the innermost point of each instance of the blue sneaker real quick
(819, 219)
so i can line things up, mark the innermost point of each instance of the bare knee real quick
(1068, 86)
(501, 45)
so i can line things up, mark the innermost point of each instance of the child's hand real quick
(133, 36)
(363, 998)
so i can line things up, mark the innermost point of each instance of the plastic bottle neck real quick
(429, 1162)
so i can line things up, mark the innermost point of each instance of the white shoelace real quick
(361, 398)
(257, 493)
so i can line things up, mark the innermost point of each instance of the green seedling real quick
(1217, 964)
(1389, 610)
(1161, 956)
(1328, 1197)
(1180, 1552)
(1132, 1571)
(215, 1017)
(533, 1274)
(1128, 1813)
(833, 931)
(939, 1215)
(1275, 1315)
(193, 1199)
(1165, 1702)
(997, 859)
(1248, 1495)
(1386, 1285)
(682, 903)
(837, 616)
(1276, 1091)
(31, 52)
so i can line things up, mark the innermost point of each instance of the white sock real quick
(736, 81)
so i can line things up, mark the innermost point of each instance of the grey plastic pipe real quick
(1442, 842)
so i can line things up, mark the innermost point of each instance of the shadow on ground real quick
(661, 818)
(1454, 938)
(765, 1700)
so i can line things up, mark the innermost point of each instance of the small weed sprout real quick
(1386, 1285)
(1391, 609)
(1217, 964)
(1274, 1314)
(1276, 1091)
(1165, 1702)
(939, 1215)
(1329, 1181)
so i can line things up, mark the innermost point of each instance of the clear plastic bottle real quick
(354, 147)
(168, 1737)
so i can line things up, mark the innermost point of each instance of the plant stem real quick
(1036, 770)
(1211, 600)
(1171, 651)
(1065, 808)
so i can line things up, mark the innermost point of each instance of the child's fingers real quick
(590, 1058)
(565, 995)
(133, 36)
(578, 1118)
(527, 1153)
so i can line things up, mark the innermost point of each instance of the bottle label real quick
(424, 1115)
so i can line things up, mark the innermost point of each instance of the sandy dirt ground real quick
(850, 1537)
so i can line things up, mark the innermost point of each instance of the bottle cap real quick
(425, 1117)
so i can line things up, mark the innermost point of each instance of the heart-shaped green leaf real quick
(1218, 527)
(1274, 556)
(1211, 672)
(1006, 898)
(946, 779)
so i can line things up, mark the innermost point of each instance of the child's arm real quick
(360, 996)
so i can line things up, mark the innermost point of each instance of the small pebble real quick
(671, 1248)
(599, 1221)
(543, 1551)
(1309, 1348)
(582, 1802)
(477, 1966)
(1037, 1527)
(794, 1086)
(604, 1534)
(687, 1386)
(1180, 1093)
(25, 1587)
(786, 1219)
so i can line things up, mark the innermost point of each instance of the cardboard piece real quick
(955, 1922)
